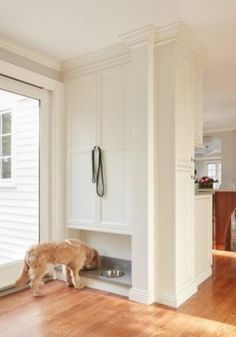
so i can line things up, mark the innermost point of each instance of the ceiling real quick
(212, 147)
(65, 29)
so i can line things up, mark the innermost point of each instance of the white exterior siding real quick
(19, 202)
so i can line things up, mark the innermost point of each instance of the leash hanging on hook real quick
(97, 176)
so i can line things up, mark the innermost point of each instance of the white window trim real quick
(213, 161)
(10, 183)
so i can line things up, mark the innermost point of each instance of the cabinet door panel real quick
(203, 234)
(113, 108)
(82, 194)
(82, 113)
(184, 112)
(114, 203)
(198, 106)
(184, 227)
(113, 135)
(98, 115)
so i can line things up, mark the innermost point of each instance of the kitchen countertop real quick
(202, 193)
(211, 192)
(203, 196)
(225, 190)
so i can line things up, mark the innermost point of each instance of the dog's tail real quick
(23, 276)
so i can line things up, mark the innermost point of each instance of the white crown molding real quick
(30, 54)
(207, 158)
(177, 31)
(209, 131)
(98, 60)
(140, 36)
(120, 53)
(187, 42)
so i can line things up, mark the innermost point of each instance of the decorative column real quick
(141, 42)
(165, 92)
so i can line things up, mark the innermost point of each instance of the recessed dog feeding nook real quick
(111, 270)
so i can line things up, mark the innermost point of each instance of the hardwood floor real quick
(68, 312)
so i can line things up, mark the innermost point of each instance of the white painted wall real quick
(114, 245)
(200, 168)
(228, 159)
(19, 217)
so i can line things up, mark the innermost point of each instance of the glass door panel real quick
(22, 168)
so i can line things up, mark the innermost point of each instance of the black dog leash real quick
(97, 177)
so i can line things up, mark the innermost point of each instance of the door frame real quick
(9, 271)
(42, 95)
(56, 141)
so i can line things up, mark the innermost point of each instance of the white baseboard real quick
(203, 276)
(110, 287)
(141, 296)
(165, 298)
(176, 299)
(185, 293)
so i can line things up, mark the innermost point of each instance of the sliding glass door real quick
(24, 184)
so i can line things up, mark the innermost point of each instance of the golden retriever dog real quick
(74, 254)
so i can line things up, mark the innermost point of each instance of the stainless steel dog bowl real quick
(112, 273)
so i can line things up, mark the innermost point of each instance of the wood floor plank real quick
(66, 312)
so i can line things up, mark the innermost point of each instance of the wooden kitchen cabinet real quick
(198, 105)
(224, 206)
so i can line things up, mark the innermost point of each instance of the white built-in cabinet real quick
(188, 132)
(191, 236)
(198, 105)
(184, 184)
(202, 237)
(184, 123)
(179, 96)
(143, 107)
(97, 114)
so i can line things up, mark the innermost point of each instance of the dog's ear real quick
(96, 257)
(93, 261)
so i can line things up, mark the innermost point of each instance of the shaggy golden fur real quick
(74, 254)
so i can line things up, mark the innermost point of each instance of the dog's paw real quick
(37, 294)
(41, 284)
(69, 284)
(80, 286)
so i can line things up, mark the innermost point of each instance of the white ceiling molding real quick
(109, 56)
(209, 131)
(120, 53)
(140, 36)
(185, 39)
(97, 60)
(208, 158)
(30, 54)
